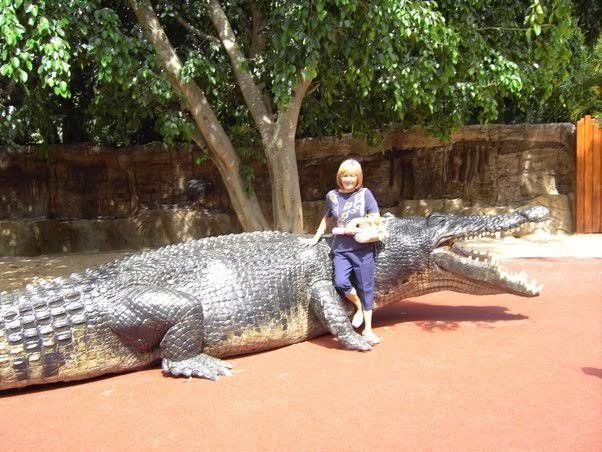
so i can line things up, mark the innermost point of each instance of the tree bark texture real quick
(220, 147)
(278, 138)
(282, 164)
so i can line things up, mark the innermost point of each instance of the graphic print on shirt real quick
(351, 207)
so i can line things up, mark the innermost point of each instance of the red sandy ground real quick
(453, 372)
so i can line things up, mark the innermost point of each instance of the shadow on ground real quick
(432, 317)
(592, 371)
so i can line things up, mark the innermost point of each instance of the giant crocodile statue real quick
(190, 304)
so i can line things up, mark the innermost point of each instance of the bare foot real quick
(372, 338)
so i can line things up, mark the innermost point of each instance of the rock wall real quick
(83, 197)
(482, 169)
(146, 229)
(91, 182)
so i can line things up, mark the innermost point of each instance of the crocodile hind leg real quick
(179, 349)
(151, 317)
(329, 308)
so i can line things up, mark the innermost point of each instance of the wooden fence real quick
(588, 212)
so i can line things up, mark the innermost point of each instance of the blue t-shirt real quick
(344, 207)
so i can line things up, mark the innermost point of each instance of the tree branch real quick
(200, 141)
(221, 149)
(290, 117)
(250, 91)
(257, 34)
(257, 46)
(195, 31)
(508, 28)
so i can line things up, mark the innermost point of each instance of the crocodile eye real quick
(435, 219)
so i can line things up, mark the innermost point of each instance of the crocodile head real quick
(438, 262)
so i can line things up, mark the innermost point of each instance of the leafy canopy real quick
(81, 70)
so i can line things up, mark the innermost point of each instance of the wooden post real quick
(588, 181)
(588, 187)
(579, 173)
(597, 178)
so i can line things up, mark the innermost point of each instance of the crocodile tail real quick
(7, 300)
(41, 328)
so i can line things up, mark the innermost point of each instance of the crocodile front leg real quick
(149, 317)
(328, 306)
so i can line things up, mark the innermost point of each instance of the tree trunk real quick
(220, 147)
(278, 138)
(282, 163)
(284, 174)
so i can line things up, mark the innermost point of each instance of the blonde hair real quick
(350, 166)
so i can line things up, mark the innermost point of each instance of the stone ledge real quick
(147, 229)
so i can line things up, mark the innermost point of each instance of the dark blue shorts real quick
(360, 264)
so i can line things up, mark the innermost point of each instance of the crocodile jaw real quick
(475, 272)
(482, 272)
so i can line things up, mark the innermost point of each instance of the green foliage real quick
(78, 70)
(589, 18)
(436, 65)
(580, 93)
(81, 70)
(29, 37)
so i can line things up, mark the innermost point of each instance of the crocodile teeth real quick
(487, 267)
(534, 287)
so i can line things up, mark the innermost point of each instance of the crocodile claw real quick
(203, 366)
